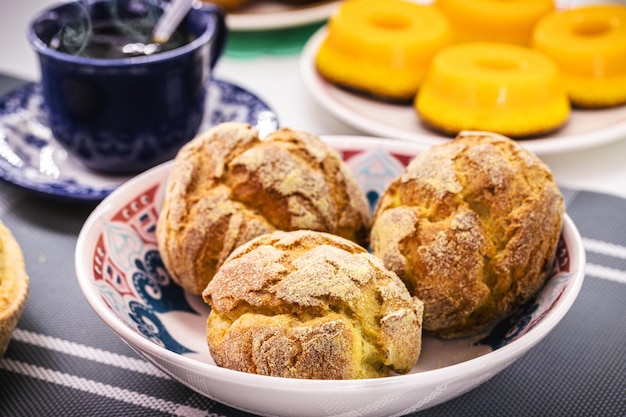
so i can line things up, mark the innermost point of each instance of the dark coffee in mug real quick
(115, 39)
(124, 115)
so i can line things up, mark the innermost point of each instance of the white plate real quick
(585, 129)
(123, 278)
(31, 158)
(276, 15)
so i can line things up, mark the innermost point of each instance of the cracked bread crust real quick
(312, 305)
(227, 186)
(472, 228)
(14, 285)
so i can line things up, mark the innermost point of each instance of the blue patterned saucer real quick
(31, 158)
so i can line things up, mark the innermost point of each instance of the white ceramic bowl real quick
(122, 276)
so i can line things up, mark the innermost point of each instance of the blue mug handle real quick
(221, 31)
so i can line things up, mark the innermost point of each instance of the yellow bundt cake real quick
(493, 86)
(510, 21)
(589, 46)
(382, 48)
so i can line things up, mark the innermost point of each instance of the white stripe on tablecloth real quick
(104, 390)
(604, 248)
(87, 352)
(604, 272)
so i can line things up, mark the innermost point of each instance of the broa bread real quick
(312, 305)
(14, 285)
(472, 228)
(228, 186)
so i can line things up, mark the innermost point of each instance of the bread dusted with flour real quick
(472, 228)
(312, 305)
(14, 285)
(227, 186)
(238, 5)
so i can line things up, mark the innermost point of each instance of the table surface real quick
(55, 364)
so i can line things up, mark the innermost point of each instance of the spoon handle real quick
(170, 19)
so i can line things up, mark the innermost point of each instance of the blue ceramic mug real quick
(124, 114)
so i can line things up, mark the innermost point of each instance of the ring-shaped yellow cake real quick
(510, 21)
(382, 48)
(589, 45)
(492, 86)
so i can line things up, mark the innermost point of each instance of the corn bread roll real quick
(472, 228)
(230, 5)
(312, 305)
(14, 285)
(237, 5)
(227, 186)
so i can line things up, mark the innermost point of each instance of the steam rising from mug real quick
(124, 114)
(120, 37)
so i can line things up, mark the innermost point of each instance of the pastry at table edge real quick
(311, 305)
(227, 186)
(14, 285)
(472, 228)
(229, 5)
(237, 5)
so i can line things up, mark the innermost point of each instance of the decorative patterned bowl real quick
(123, 278)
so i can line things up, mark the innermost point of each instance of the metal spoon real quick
(165, 26)
(169, 21)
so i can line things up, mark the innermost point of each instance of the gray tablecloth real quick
(63, 361)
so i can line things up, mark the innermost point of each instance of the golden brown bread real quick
(307, 304)
(237, 5)
(472, 228)
(229, 5)
(13, 285)
(228, 186)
